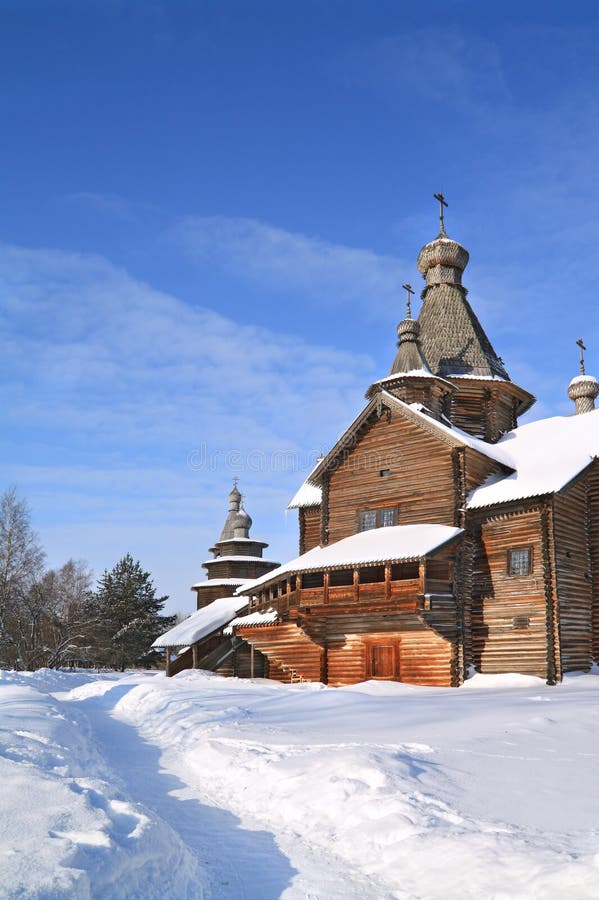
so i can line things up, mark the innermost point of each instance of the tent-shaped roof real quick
(202, 623)
(397, 543)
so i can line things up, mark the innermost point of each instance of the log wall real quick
(573, 576)
(416, 460)
(593, 526)
(508, 615)
(309, 528)
(422, 656)
(484, 409)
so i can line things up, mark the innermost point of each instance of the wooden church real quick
(437, 534)
(203, 640)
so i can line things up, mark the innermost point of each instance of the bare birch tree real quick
(21, 565)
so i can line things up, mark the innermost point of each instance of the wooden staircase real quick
(290, 649)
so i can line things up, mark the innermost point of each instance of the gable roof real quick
(546, 455)
(202, 623)
(396, 543)
(310, 492)
(414, 413)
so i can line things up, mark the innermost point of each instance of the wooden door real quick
(383, 661)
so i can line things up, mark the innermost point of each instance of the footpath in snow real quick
(139, 786)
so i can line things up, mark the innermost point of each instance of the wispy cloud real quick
(109, 384)
(445, 66)
(113, 204)
(318, 269)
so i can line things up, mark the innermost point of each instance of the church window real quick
(378, 518)
(385, 473)
(387, 516)
(367, 519)
(520, 561)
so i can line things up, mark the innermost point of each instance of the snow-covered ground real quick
(139, 786)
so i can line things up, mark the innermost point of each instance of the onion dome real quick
(241, 524)
(583, 389)
(234, 498)
(442, 261)
(453, 340)
(410, 357)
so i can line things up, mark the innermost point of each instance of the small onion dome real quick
(442, 260)
(241, 522)
(234, 498)
(409, 356)
(583, 390)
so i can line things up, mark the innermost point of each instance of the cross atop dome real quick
(409, 291)
(583, 389)
(582, 348)
(442, 202)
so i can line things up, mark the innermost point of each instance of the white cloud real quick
(113, 204)
(283, 260)
(110, 384)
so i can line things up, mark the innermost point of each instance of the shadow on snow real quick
(240, 864)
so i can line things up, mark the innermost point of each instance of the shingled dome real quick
(452, 339)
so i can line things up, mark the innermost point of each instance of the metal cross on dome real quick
(409, 291)
(442, 202)
(582, 348)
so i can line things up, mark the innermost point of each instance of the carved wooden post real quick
(387, 583)
(356, 585)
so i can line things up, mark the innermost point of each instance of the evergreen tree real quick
(128, 611)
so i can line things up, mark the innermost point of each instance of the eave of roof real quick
(202, 623)
(395, 544)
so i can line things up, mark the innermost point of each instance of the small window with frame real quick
(387, 516)
(519, 561)
(382, 517)
(367, 519)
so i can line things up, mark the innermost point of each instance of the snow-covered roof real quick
(415, 413)
(396, 543)
(310, 493)
(215, 582)
(472, 377)
(546, 456)
(581, 379)
(242, 540)
(202, 623)
(268, 617)
(225, 558)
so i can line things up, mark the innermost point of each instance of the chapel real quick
(203, 641)
(438, 535)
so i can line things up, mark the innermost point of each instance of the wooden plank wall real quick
(482, 409)
(417, 461)
(425, 657)
(478, 469)
(593, 525)
(502, 603)
(309, 528)
(573, 576)
(289, 648)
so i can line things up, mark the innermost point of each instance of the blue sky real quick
(207, 212)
